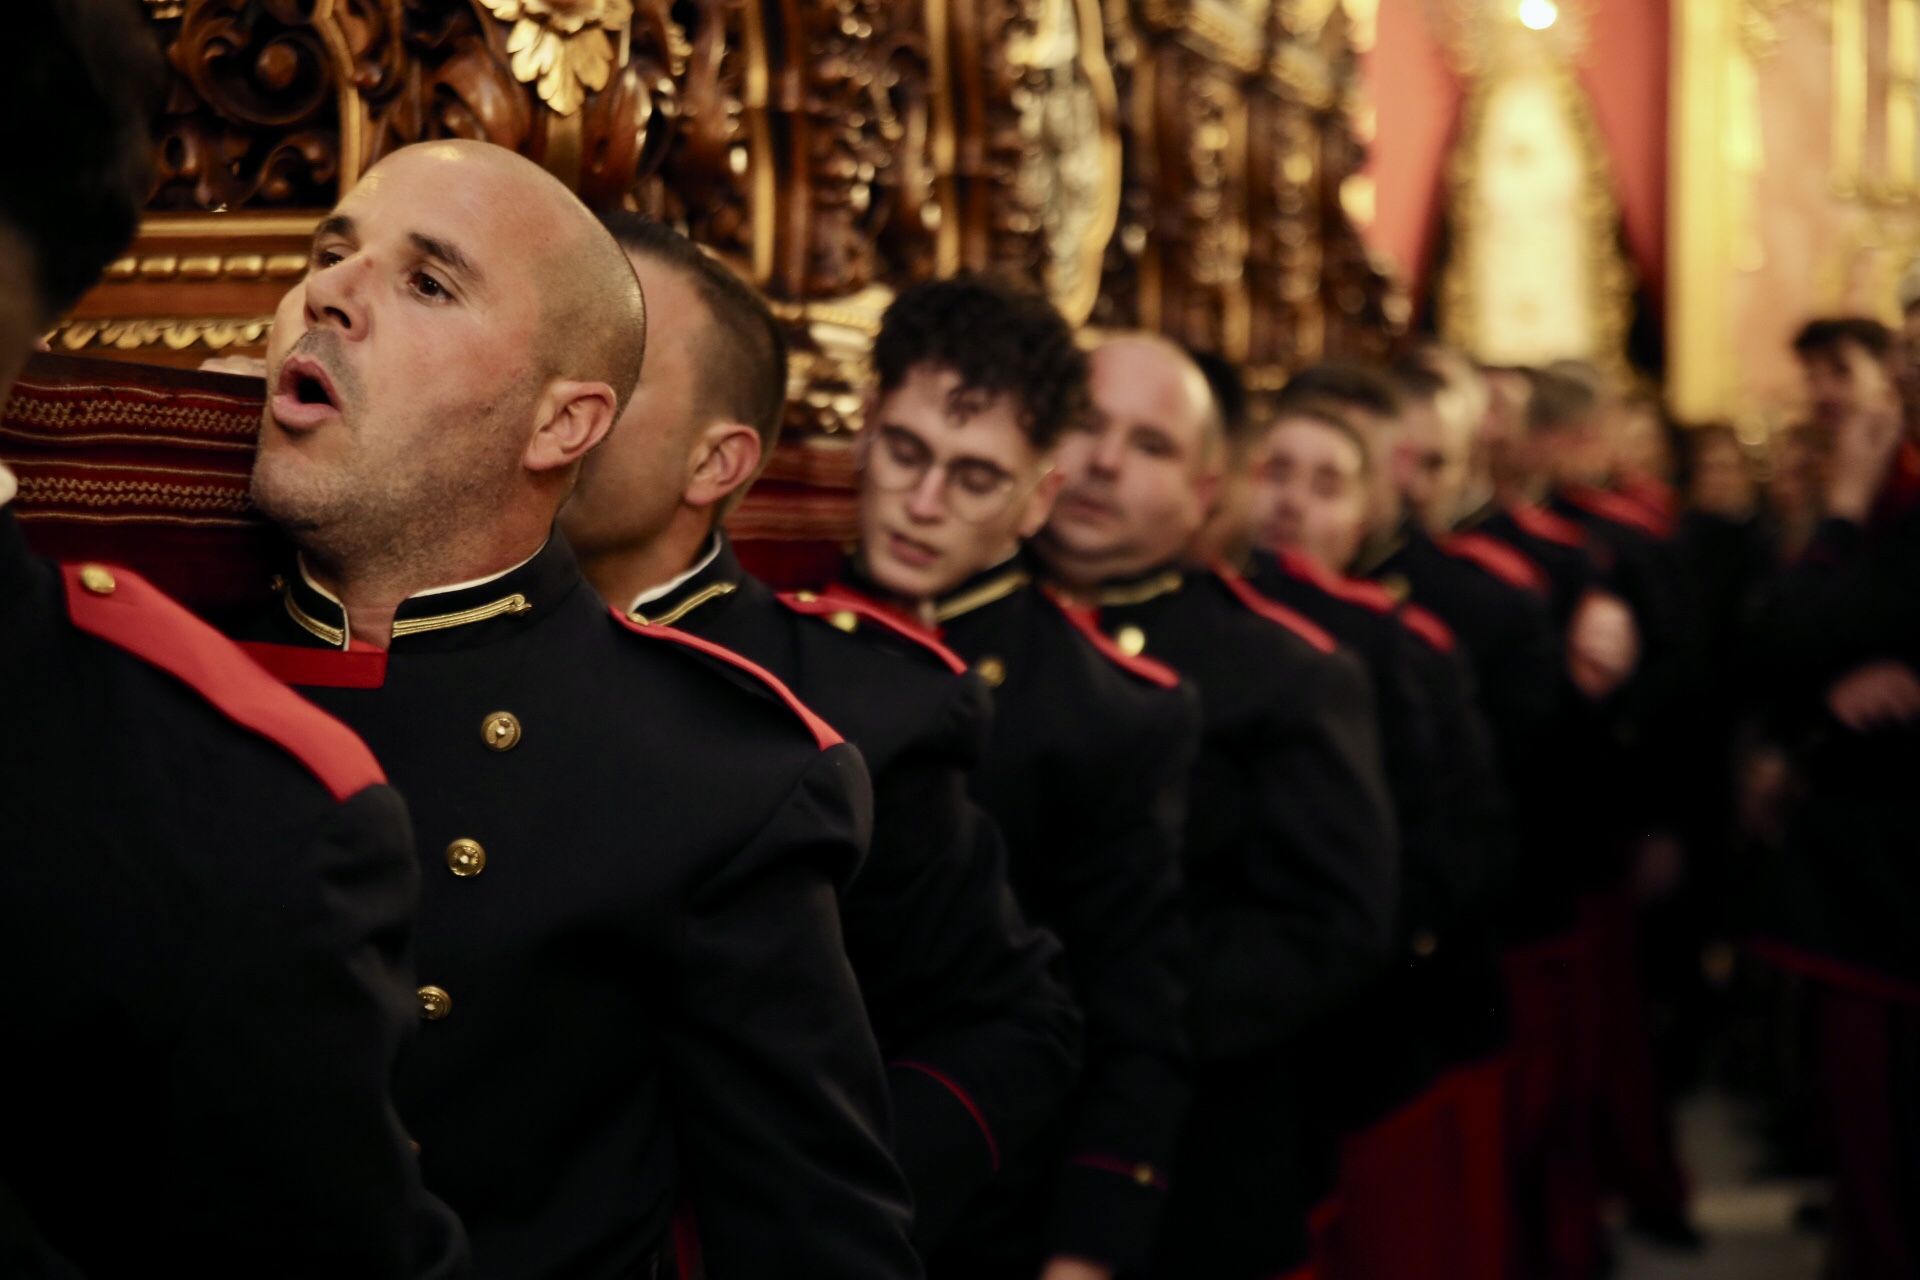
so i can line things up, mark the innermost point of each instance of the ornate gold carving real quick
(216, 333)
(565, 48)
(212, 266)
(255, 116)
(1064, 196)
(1601, 272)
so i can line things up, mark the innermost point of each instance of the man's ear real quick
(723, 460)
(1040, 505)
(572, 417)
(1209, 486)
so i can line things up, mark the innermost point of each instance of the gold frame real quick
(1612, 277)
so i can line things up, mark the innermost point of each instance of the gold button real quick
(501, 730)
(435, 1003)
(1132, 641)
(805, 597)
(845, 619)
(1396, 586)
(1425, 944)
(992, 670)
(1143, 1174)
(97, 580)
(466, 858)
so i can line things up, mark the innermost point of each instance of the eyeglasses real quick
(973, 489)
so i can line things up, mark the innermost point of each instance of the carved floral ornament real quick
(566, 49)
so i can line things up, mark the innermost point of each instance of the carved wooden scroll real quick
(1176, 164)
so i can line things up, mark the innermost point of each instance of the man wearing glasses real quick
(1087, 765)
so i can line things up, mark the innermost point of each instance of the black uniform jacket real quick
(1086, 774)
(1454, 840)
(1291, 856)
(1845, 893)
(630, 932)
(980, 1034)
(205, 900)
(1504, 625)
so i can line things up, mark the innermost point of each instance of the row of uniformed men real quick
(699, 980)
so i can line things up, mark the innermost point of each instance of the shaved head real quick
(593, 317)
(1160, 372)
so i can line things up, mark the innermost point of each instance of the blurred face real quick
(949, 484)
(1721, 482)
(1640, 441)
(1137, 481)
(401, 373)
(1844, 381)
(631, 486)
(1436, 460)
(1307, 492)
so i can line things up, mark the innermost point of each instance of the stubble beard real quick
(386, 520)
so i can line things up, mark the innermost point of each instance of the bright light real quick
(1538, 15)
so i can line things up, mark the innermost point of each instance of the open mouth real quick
(304, 396)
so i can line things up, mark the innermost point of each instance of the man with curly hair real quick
(1086, 770)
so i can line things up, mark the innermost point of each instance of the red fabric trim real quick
(823, 733)
(320, 668)
(688, 1264)
(1149, 669)
(1548, 526)
(1498, 559)
(1120, 1168)
(1368, 595)
(1837, 973)
(835, 600)
(1428, 627)
(946, 1082)
(1274, 611)
(1617, 510)
(138, 618)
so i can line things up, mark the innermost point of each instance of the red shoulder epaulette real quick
(1274, 611)
(1548, 526)
(1428, 627)
(832, 600)
(1368, 595)
(1615, 509)
(122, 608)
(1146, 668)
(823, 733)
(1498, 559)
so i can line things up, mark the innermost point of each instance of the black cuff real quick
(943, 1144)
(1106, 1209)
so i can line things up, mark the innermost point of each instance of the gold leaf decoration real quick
(564, 48)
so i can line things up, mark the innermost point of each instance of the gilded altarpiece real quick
(1176, 164)
(1795, 189)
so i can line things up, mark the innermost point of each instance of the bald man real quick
(631, 839)
(1290, 856)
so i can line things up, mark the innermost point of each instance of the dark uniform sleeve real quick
(1312, 919)
(779, 1099)
(293, 1161)
(1116, 887)
(1472, 818)
(982, 1038)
